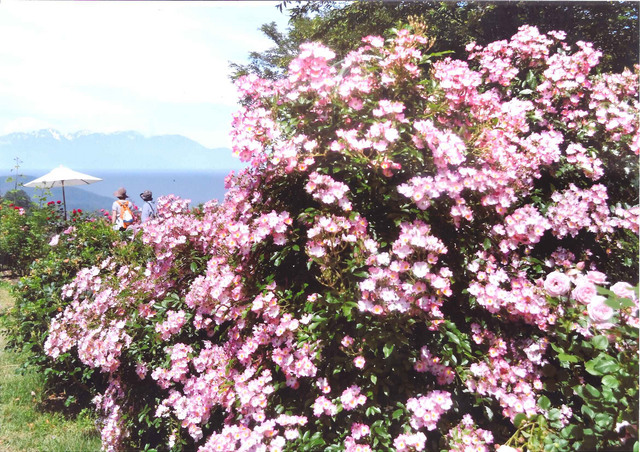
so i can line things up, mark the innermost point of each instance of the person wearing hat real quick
(149, 211)
(118, 205)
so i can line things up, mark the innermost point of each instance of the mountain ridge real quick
(46, 149)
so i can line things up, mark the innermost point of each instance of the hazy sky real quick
(153, 67)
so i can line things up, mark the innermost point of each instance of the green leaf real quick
(602, 364)
(519, 419)
(565, 357)
(571, 431)
(316, 440)
(587, 411)
(619, 303)
(544, 402)
(592, 390)
(600, 342)
(388, 349)
(372, 410)
(397, 414)
(589, 366)
(455, 339)
(610, 381)
(604, 421)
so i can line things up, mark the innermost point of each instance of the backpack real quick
(153, 214)
(126, 216)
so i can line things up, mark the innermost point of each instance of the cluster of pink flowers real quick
(511, 373)
(525, 226)
(352, 398)
(172, 325)
(328, 191)
(393, 284)
(446, 147)
(310, 71)
(575, 210)
(358, 431)
(271, 435)
(523, 300)
(323, 405)
(330, 234)
(427, 410)
(577, 155)
(108, 405)
(467, 437)
(410, 441)
(429, 363)
(582, 288)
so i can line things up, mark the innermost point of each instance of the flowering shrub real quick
(422, 255)
(84, 242)
(24, 232)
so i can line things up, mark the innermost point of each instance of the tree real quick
(19, 198)
(611, 26)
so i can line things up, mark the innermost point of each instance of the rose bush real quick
(24, 232)
(417, 258)
(62, 250)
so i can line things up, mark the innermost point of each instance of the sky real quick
(153, 67)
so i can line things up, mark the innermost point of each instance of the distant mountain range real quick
(120, 151)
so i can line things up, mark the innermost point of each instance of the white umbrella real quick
(62, 177)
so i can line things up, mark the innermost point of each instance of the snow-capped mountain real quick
(47, 148)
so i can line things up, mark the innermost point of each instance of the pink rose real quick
(597, 277)
(624, 290)
(584, 292)
(599, 312)
(557, 284)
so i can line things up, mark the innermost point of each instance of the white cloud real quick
(112, 65)
(25, 124)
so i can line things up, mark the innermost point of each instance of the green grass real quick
(24, 424)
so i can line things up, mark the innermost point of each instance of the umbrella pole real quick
(64, 201)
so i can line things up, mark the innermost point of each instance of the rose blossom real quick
(557, 284)
(584, 292)
(598, 311)
(504, 448)
(623, 290)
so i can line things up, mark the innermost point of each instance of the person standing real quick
(121, 210)
(149, 211)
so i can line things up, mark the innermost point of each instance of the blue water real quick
(197, 186)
